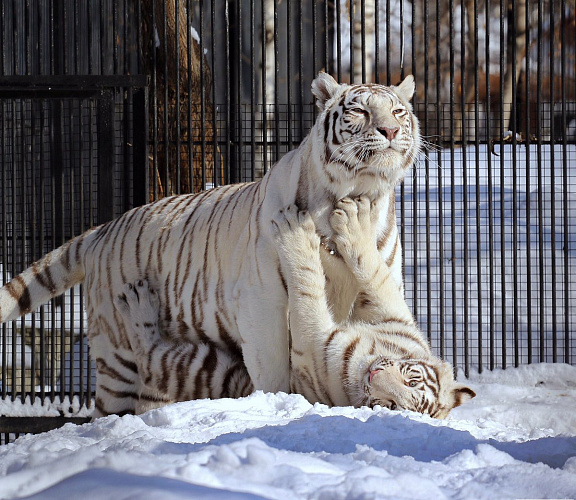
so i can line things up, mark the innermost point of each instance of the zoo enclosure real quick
(108, 103)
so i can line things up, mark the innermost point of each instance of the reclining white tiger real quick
(213, 257)
(380, 359)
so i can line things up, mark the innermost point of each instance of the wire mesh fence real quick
(486, 218)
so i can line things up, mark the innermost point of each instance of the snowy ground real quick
(517, 439)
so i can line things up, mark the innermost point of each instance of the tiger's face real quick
(424, 386)
(370, 134)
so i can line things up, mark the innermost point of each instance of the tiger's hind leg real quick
(171, 371)
(139, 306)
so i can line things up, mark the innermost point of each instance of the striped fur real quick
(380, 359)
(379, 356)
(213, 258)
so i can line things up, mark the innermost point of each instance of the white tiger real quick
(381, 359)
(213, 256)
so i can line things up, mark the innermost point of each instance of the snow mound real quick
(280, 446)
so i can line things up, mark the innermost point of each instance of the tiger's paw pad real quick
(138, 303)
(290, 223)
(351, 216)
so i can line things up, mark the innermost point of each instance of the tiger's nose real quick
(388, 132)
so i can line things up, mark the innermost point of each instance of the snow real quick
(44, 407)
(516, 439)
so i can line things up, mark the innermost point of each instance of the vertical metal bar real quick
(513, 127)
(452, 194)
(15, 226)
(363, 39)
(203, 96)
(478, 247)
(377, 41)
(22, 196)
(276, 83)
(352, 14)
(289, 71)
(90, 7)
(216, 165)
(176, 80)
(71, 193)
(229, 158)
(154, 90)
(233, 94)
(140, 178)
(4, 240)
(90, 184)
(528, 189)
(553, 263)
(567, 277)
(339, 40)
(168, 189)
(503, 7)
(82, 227)
(42, 231)
(33, 235)
(492, 302)
(301, 70)
(402, 44)
(264, 89)
(105, 157)
(426, 75)
(238, 109)
(439, 108)
(465, 201)
(540, 188)
(253, 104)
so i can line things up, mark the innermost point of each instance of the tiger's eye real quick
(360, 111)
(396, 111)
(412, 383)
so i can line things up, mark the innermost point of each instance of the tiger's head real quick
(424, 386)
(369, 134)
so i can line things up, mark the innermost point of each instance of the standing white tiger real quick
(380, 359)
(213, 257)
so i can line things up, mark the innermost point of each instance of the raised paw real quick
(138, 303)
(294, 227)
(353, 234)
(351, 217)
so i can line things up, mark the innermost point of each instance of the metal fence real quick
(486, 218)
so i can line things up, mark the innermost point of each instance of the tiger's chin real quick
(388, 167)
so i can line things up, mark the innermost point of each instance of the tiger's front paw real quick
(139, 304)
(350, 221)
(295, 230)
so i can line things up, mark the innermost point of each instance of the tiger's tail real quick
(48, 277)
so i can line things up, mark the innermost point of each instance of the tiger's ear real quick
(462, 394)
(323, 88)
(406, 89)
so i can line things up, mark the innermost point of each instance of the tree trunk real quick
(363, 14)
(515, 56)
(181, 113)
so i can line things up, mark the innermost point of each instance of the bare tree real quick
(180, 112)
